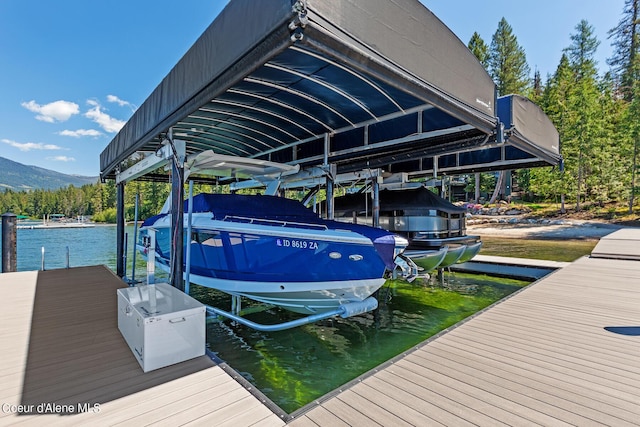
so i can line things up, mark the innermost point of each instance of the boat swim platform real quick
(562, 351)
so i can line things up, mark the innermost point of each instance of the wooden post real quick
(9, 239)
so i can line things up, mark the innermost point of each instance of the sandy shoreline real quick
(553, 230)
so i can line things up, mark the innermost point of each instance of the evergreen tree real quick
(479, 48)
(510, 72)
(626, 66)
(507, 61)
(559, 89)
(626, 42)
(585, 103)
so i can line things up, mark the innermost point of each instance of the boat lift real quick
(344, 310)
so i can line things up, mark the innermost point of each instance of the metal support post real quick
(120, 230)
(376, 201)
(150, 245)
(176, 278)
(187, 274)
(135, 240)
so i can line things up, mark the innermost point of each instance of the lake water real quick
(297, 366)
(87, 246)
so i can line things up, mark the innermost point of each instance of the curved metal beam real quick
(351, 72)
(323, 84)
(241, 126)
(280, 104)
(299, 94)
(204, 130)
(263, 111)
(206, 144)
(250, 119)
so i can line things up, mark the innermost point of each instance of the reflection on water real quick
(296, 366)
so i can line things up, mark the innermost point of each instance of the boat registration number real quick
(298, 244)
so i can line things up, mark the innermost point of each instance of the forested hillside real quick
(16, 176)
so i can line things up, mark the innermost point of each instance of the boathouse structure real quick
(345, 89)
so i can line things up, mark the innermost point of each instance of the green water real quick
(297, 366)
(553, 250)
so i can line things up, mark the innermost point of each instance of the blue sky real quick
(73, 71)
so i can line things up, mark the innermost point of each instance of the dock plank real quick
(548, 355)
(59, 331)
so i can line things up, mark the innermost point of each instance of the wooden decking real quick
(622, 245)
(60, 345)
(563, 351)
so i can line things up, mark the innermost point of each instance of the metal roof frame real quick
(356, 83)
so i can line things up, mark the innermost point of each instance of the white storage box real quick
(161, 324)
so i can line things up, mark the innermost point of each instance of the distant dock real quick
(34, 225)
(48, 225)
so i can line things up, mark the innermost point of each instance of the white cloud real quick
(80, 133)
(62, 159)
(121, 102)
(29, 146)
(58, 111)
(105, 121)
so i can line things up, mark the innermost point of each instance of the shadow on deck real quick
(76, 355)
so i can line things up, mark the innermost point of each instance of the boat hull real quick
(452, 256)
(471, 251)
(299, 297)
(428, 260)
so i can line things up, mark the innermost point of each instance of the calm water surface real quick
(297, 366)
(87, 246)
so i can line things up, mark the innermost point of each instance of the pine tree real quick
(626, 66)
(507, 61)
(510, 72)
(479, 48)
(585, 104)
(626, 42)
(557, 92)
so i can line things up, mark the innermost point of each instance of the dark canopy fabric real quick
(415, 201)
(528, 127)
(356, 83)
(259, 84)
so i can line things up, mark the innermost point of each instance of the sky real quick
(72, 72)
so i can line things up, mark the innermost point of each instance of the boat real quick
(429, 222)
(277, 251)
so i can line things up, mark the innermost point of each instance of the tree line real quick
(597, 117)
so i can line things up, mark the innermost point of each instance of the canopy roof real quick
(356, 83)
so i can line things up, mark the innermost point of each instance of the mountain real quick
(18, 177)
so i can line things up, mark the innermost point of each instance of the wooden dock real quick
(61, 345)
(563, 351)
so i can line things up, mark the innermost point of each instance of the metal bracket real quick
(297, 25)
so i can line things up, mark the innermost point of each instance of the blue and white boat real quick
(277, 251)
